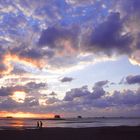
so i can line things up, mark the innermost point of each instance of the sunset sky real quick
(69, 57)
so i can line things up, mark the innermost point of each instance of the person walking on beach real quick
(39, 124)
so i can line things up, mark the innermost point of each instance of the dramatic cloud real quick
(107, 37)
(59, 44)
(41, 41)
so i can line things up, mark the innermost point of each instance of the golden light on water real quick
(19, 96)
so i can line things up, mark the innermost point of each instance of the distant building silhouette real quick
(9, 117)
(79, 117)
(57, 116)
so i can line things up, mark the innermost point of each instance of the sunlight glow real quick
(19, 96)
(25, 115)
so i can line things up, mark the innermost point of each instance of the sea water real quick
(7, 123)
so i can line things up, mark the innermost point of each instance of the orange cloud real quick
(8, 58)
(26, 61)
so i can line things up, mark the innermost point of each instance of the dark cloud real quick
(107, 37)
(54, 37)
(3, 67)
(8, 104)
(79, 101)
(31, 54)
(83, 92)
(11, 105)
(125, 98)
(6, 91)
(24, 52)
(133, 79)
(77, 92)
(35, 86)
(87, 101)
(98, 92)
(66, 79)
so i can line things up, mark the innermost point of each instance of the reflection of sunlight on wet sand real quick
(16, 123)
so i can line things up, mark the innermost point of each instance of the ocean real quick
(10, 123)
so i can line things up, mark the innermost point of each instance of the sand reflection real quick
(16, 123)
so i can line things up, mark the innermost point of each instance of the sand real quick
(100, 133)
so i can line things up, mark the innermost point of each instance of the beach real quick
(94, 133)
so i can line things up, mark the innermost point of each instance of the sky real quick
(69, 57)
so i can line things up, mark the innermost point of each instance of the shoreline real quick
(53, 133)
(24, 128)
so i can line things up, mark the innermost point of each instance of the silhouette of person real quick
(37, 124)
(41, 124)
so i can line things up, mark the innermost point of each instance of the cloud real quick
(63, 41)
(28, 87)
(66, 35)
(107, 37)
(6, 91)
(101, 83)
(133, 79)
(83, 92)
(51, 101)
(11, 105)
(3, 67)
(130, 6)
(125, 98)
(131, 20)
(66, 79)
(101, 99)
(35, 86)
(78, 99)
(47, 42)
(75, 93)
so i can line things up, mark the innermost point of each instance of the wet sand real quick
(99, 133)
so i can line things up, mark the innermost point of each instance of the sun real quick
(19, 96)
